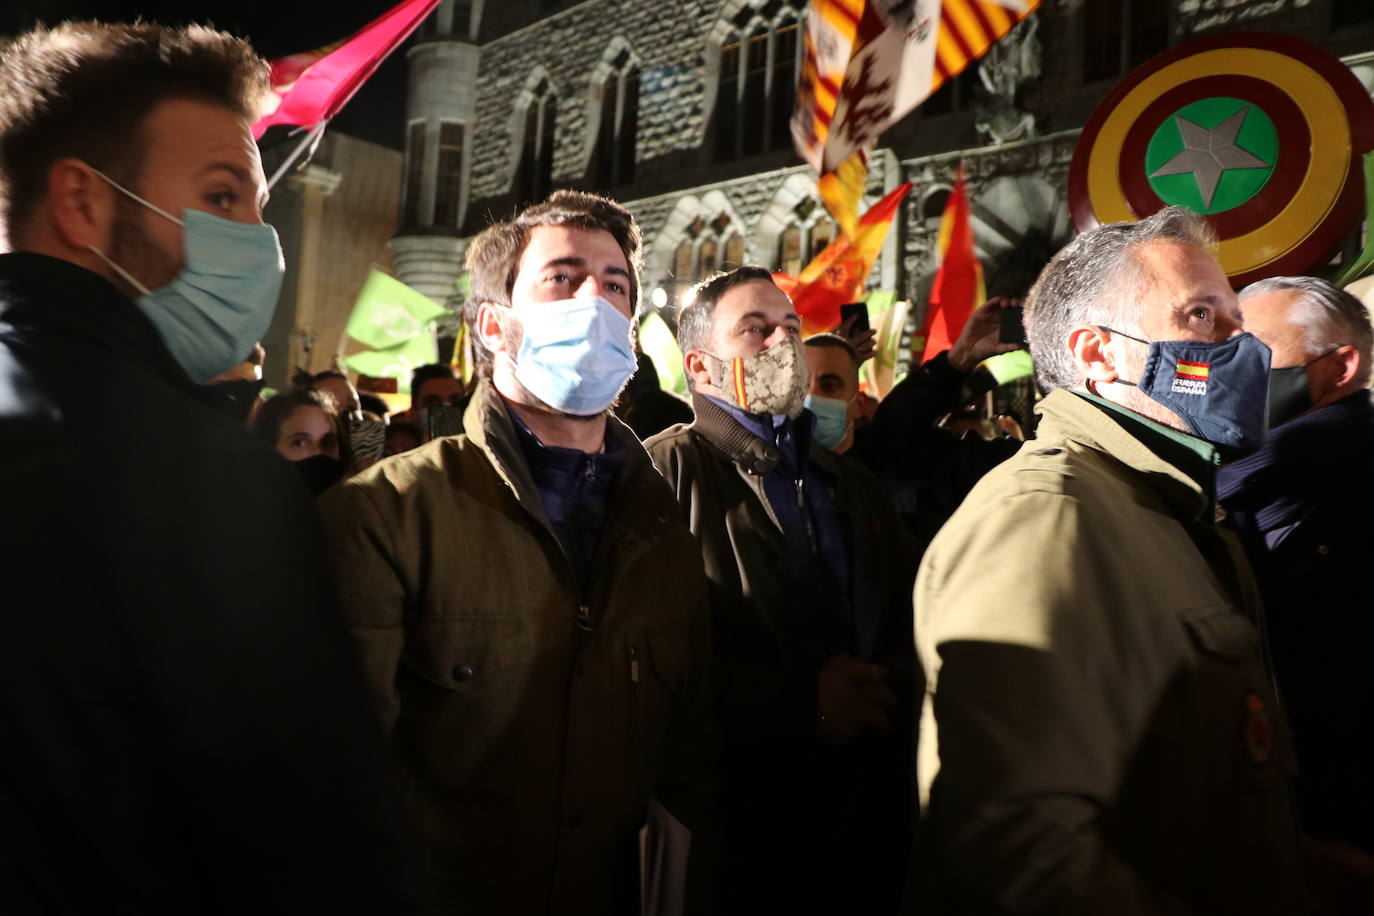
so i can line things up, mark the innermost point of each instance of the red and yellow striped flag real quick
(868, 63)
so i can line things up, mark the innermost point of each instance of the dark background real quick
(376, 113)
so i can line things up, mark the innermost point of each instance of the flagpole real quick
(311, 138)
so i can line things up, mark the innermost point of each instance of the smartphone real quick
(855, 308)
(443, 420)
(1013, 330)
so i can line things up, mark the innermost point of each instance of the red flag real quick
(958, 288)
(312, 86)
(837, 274)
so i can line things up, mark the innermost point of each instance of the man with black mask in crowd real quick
(1302, 505)
(184, 726)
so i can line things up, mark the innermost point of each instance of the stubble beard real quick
(133, 248)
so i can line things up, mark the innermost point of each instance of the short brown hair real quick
(494, 256)
(83, 89)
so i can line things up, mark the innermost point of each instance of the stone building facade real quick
(334, 218)
(677, 108)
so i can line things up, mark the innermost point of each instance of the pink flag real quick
(312, 86)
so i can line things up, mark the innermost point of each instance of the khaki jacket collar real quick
(1066, 414)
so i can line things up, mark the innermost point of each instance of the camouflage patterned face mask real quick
(772, 382)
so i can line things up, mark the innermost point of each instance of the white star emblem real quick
(1209, 153)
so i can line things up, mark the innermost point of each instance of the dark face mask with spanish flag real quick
(1221, 390)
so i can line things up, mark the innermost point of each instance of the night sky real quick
(277, 28)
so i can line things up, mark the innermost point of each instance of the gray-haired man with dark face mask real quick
(1303, 504)
(1099, 732)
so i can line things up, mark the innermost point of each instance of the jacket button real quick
(1220, 513)
(1323, 550)
(462, 673)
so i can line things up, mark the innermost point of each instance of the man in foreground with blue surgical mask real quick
(528, 603)
(183, 721)
(811, 576)
(1100, 733)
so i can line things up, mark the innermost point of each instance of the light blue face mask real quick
(575, 354)
(221, 303)
(832, 419)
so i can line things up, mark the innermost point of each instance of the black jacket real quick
(1304, 505)
(183, 727)
(808, 827)
(926, 471)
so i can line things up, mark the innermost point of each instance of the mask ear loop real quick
(128, 277)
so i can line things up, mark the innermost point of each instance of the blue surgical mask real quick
(832, 419)
(221, 303)
(1221, 390)
(575, 354)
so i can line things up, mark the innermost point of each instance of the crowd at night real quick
(637, 552)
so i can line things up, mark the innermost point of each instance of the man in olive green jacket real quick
(529, 605)
(1099, 732)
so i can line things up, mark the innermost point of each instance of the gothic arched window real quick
(707, 248)
(757, 86)
(534, 175)
(807, 234)
(614, 156)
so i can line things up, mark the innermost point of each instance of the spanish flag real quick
(958, 288)
(1196, 371)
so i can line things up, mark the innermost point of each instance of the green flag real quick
(879, 301)
(388, 313)
(396, 362)
(659, 344)
(1008, 367)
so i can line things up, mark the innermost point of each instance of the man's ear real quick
(80, 205)
(1341, 369)
(488, 327)
(1088, 346)
(694, 362)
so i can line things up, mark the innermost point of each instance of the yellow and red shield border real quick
(1324, 119)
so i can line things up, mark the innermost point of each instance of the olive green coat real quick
(1099, 732)
(532, 722)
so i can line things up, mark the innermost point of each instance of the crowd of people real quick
(560, 642)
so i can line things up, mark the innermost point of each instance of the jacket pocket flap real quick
(1220, 631)
(462, 651)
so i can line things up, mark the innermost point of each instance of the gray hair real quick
(1330, 317)
(1097, 279)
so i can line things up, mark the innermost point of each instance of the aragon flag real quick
(958, 288)
(313, 85)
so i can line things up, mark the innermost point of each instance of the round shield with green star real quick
(1262, 134)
